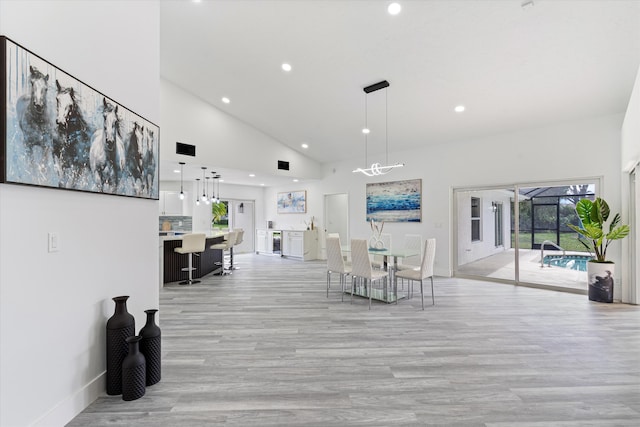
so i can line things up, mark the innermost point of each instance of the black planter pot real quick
(133, 371)
(120, 326)
(150, 346)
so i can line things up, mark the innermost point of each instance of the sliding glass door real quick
(519, 234)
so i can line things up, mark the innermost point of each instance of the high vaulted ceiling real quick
(512, 67)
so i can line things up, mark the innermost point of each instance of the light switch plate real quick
(54, 242)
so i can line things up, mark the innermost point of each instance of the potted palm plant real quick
(594, 228)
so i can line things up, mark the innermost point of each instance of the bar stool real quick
(227, 245)
(192, 244)
(239, 239)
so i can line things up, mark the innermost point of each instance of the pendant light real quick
(206, 199)
(181, 179)
(213, 187)
(218, 197)
(204, 196)
(197, 191)
(376, 168)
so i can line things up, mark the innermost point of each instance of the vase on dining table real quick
(376, 242)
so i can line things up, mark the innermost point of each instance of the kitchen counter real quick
(173, 262)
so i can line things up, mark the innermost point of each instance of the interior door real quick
(242, 216)
(336, 214)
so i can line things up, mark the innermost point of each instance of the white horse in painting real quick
(107, 156)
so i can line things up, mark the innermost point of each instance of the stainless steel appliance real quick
(276, 239)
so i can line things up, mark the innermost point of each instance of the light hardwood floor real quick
(265, 347)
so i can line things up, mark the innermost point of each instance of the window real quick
(475, 219)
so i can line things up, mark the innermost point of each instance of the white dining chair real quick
(412, 242)
(361, 268)
(425, 271)
(336, 264)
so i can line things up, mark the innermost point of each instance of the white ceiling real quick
(512, 67)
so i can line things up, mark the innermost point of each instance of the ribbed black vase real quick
(120, 326)
(134, 371)
(150, 346)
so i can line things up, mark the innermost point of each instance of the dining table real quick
(386, 253)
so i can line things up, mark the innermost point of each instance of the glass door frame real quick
(515, 187)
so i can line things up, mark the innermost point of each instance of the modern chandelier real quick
(376, 168)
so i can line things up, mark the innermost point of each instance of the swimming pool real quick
(572, 262)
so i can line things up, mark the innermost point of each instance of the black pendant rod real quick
(376, 86)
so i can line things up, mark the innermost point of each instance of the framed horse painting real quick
(62, 133)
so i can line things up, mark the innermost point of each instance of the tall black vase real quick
(133, 371)
(150, 346)
(120, 326)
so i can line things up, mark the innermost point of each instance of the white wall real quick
(54, 306)
(631, 156)
(222, 139)
(468, 250)
(532, 155)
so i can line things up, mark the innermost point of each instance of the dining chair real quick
(378, 260)
(425, 271)
(361, 268)
(336, 264)
(412, 242)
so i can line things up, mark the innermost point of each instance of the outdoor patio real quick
(502, 266)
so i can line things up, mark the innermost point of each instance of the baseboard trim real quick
(70, 407)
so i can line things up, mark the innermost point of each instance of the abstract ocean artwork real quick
(397, 201)
(292, 202)
(64, 134)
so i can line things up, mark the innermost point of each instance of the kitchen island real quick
(172, 263)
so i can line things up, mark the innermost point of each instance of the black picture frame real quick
(59, 132)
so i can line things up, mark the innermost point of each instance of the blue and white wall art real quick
(62, 133)
(292, 202)
(397, 201)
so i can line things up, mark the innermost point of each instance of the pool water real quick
(572, 262)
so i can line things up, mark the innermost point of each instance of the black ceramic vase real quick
(120, 326)
(150, 346)
(134, 371)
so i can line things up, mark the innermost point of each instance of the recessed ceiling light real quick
(366, 131)
(176, 171)
(286, 67)
(226, 100)
(221, 180)
(197, 1)
(252, 175)
(394, 8)
(295, 180)
(262, 184)
(305, 145)
(459, 109)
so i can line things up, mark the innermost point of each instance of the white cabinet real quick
(293, 244)
(170, 203)
(300, 244)
(261, 242)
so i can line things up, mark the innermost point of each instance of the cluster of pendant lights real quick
(205, 186)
